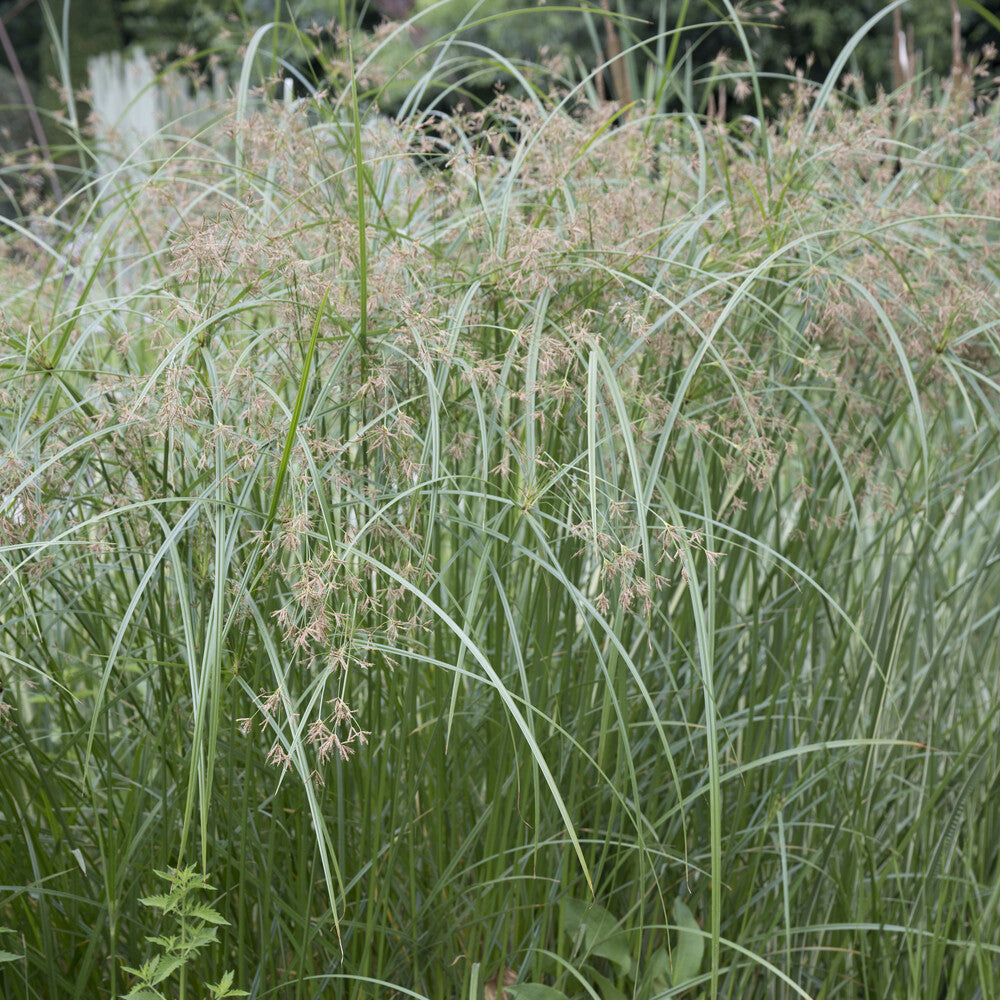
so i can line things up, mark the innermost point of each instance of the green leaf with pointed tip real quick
(209, 915)
(195, 939)
(690, 947)
(224, 987)
(656, 975)
(166, 965)
(160, 902)
(535, 991)
(602, 933)
(606, 989)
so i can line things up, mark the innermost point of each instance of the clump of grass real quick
(420, 552)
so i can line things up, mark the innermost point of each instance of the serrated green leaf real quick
(194, 940)
(223, 988)
(166, 965)
(223, 984)
(159, 902)
(143, 993)
(690, 947)
(535, 991)
(144, 971)
(209, 915)
(8, 956)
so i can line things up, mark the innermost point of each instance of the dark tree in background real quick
(800, 33)
(91, 28)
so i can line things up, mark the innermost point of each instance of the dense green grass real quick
(591, 571)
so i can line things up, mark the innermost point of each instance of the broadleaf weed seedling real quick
(196, 924)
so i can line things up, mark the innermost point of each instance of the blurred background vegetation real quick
(703, 56)
(803, 34)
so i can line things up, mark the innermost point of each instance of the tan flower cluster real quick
(499, 338)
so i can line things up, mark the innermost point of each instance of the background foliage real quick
(804, 33)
